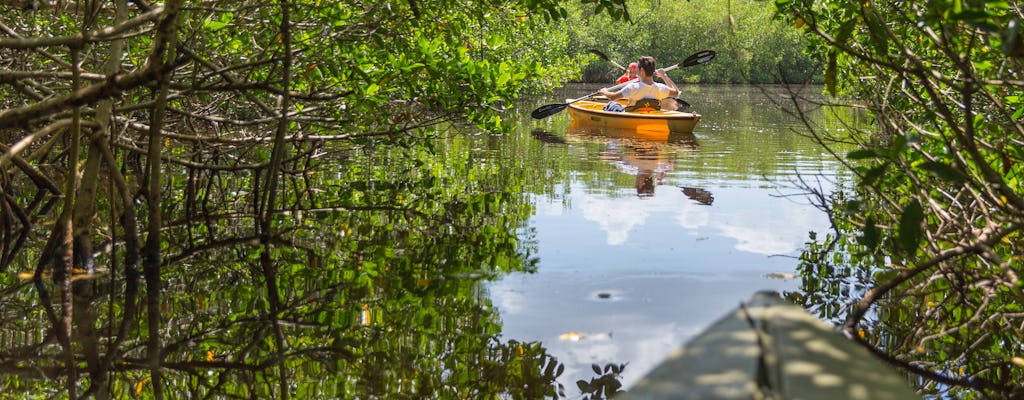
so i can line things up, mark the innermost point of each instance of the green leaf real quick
(870, 235)
(910, 231)
(872, 174)
(943, 171)
(215, 25)
(862, 154)
(372, 89)
(830, 72)
(495, 41)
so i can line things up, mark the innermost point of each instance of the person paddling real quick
(645, 91)
(630, 73)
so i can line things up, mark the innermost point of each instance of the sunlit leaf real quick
(831, 73)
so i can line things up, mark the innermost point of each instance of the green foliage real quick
(938, 199)
(359, 273)
(752, 46)
(379, 263)
(605, 385)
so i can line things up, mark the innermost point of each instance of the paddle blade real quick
(599, 54)
(605, 57)
(699, 57)
(681, 105)
(548, 110)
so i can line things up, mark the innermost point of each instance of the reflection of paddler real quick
(652, 163)
(648, 160)
(645, 184)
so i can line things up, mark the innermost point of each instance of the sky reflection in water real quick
(639, 273)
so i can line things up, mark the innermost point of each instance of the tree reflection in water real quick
(370, 286)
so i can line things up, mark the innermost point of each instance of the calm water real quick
(395, 266)
(645, 243)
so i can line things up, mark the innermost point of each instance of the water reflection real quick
(675, 230)
(699, 195)
(546, 137)
(648, 156)
(374, 282)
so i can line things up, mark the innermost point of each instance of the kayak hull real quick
(592, 114)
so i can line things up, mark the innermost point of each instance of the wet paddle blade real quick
(699, 57)
(548, 110)
(681, 105)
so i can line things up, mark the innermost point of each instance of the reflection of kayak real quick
(591, 113)
(675, 140)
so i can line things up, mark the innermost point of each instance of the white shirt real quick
(638, 90)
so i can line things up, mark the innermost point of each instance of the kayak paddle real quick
(605, 57)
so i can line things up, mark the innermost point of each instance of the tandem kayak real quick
(649, 121)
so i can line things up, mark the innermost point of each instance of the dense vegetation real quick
(752, 46)
(191, 147)
(926, 260)
(186, 209)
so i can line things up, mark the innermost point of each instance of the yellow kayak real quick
(645, 121)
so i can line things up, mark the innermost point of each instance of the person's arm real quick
(609, 94)
(668, 82)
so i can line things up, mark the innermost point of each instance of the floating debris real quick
(699, 195)
(780, 275)
(573, 336)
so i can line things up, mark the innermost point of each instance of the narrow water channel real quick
(644, 243)
(470, 266)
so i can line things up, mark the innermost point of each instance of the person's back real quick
(645, 88)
